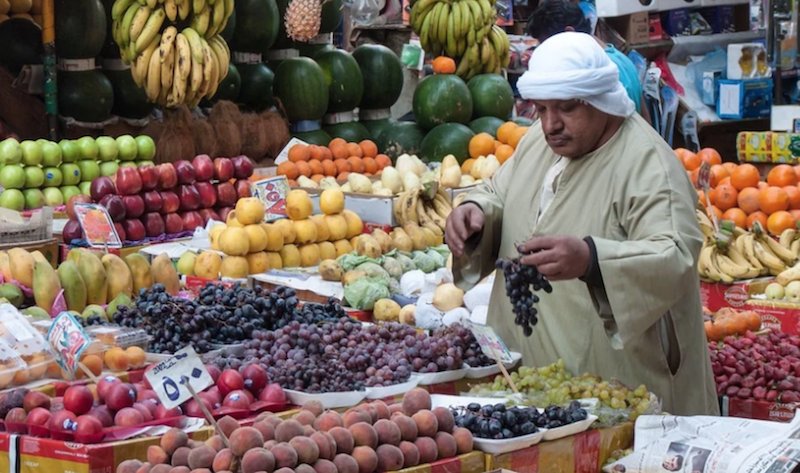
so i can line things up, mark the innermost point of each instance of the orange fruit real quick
(797, 172)
(337, 142)
(727, 180)
(342, 165)
(299, 152)
(794, 196)
(481, 144)
(444, 65)
(94, 363)
(504, 153)
(343, 176)
(505, 131)
(303, 168)
(682, 154)
(317, 177)
(724, 197)
(692, 162)
(748, 200)
(370, 165)
(328, 168)
(759, 216)
(116, 359)
(701, 196)
(782, 175)
(288, 169)
(326, 154)
(773, 199)
(762, 185)
(710, 156)
(136, 356)
(718, 173)
(730, 166)
(354, 150)
(368, 148)
(693, 175)
(383, 161)
(316, 152)
(795, 213)
(780, 221)
(715, 211)
(339, 151)
(737, 216)
(497, 144)
(745, 175)
(356, 164)
(316, 166)
(292, 183)
(517, 135)
(466, 166)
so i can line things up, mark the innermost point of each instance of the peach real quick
(416, 400)
(345, 463)
(145, 468)
(197, 443)
(428, 451)
(344, 440)
(180, 457)
(308, 430)
(354, 416)
(463, 438)
(156, 455)
(258, 459)
(128, 417)
(287, 430)
(390, 458)
(364, 435)
(315, 407)
(396, 407)
(388, 432)
(274, 420)
(303, 468)
(228, 424)
(243, 439)
(382, 409)
(270, 443)
(407, 426)
(284, 470)
(180, 469)
(266, 429)
(410, 454)
(223, 460)
(371, 410)
(446, 445)
(427, 425)
(215, 442)
(328, 420)
(305, 417)
(306, 448)
(174, 439)
(331, 443)
(367, 459)
(201, 457)
(445, 419)
(129, 466)
(325, 466)
(285, 455)
(323, 445)
(163, 468)
(201, 470)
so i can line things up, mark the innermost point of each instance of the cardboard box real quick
(612, 8)
(758, 410)
(634, 28)
(676, 22)
(48, 248)
(656, 32)
(715, 296)
(768, 147)
(739, 99)
(721, 18)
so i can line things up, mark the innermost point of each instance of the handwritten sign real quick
(491, 343)
(272, 193)
(284, 154)
(68, 341)
(97, 226)
(704, 177)
(167, 377)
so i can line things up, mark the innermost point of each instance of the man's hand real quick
(463, 222)
(557, 257)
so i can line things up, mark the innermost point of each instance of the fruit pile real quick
(521, 282)
(727, 322)
(498, 422)
(27, 9)
(426, 208)
(173, 67)
(42, 172)
(310, 165)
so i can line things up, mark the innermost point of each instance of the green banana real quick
(477, 15)
(184, 9)
(462, 46)
(497, 42)
(195, 44)
(487, 11)
(218, 18)
(471, 37)
(125, 26)
(152, 4)
(200, 21)
(451, 45)
(198, 6)
(434, 14)
(119, 8)
(140, 20)
(424, 33)
(463, 66)
(150, 30)
(442, 34)
(456, 14)
(466, 19)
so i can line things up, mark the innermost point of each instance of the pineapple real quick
(303, 19)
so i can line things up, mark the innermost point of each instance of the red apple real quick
(88, 425)
(223, 213)
(128, 416)
(255, 378)
(223, 169)
(209, 214)
(144, 411)
(167, 176)
(192, 407)
(115, 207)
(226, 194)
(203, 167)
(164, 413)
(120, 231)
(39, 416)
(134, 205)
(152, 201)
(104, 384)
(170, 202)
(150, 404)
(100, 187)
(244, 188)
(190, 198)
(62, 420)
(72, 231)
(237, 399)
(173, 223)
(35, 399)
(191, 220)
(102, 414)
(17, 414)
(242, 167)
(77, 199)
(78, 399)
(229, 380)
(153, 224)
(129, 182)
(249, 395)
(120, 396)
(185, 171)
(213, 371)
(210, 399)
(208, 194)
(272, 393)
(149, 177)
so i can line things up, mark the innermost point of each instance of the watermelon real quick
(21, 42)
(352, 132)
(86, 96)
(523, 121)
(345, 84)
(130, 101)
(300, 85)
(401, 138)
(383, 76)
(491, 96)
(448, 138)
(442, 98)
(80, 28)
(319, 137)
(256, 86)
(376, 127)
(331, 16)
(231, 85)
(311, 50)
(230, 27)
(486, 125)
(256, 26)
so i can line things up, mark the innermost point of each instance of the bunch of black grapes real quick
(92, 320)
(498, 422)
(521, 281)
(470, 348)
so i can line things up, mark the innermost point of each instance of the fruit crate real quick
(37, 228)
(758, 410)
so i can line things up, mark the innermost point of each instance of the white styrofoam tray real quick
(570, 429)
(394, 390)
(426, 379)
(611, 8)
(498, 447)
(445, 400)
(484, 371)
(328, 400)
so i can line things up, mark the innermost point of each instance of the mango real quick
(140, 269)
(207, 265)
(121, 300)
(46, 285)
(94, 309)
(13, 294)
(5, 269)
(120, 279)
(21, 263)
(164, 272)
(36, 313)
(73, 285)
(39, 257)
(186, 263)
(94, 275)
(74, 255)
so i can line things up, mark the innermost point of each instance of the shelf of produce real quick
(758, 410)
(49, 248)
(583, 452)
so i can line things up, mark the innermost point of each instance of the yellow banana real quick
(748, 243)
(411, 206)
(207, 65)
(418, 8)
(785, 254)
(139, 68)
(737, 257)
(152, 3)
(772, 262)
(222, 56)
(796, 248)
(200, 22)
(229, 6)
(787, 237)
(195, 44)
(119, 8)
(215, 73)
(153, 81)
(135, 19)
(198, 6)
(171, 9)
(184, 9)
(217, 19)
(729, 267)
(151, 29)
(167, 70)
(167, 42)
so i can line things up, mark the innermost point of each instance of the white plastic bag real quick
(427, 316)
(459, 315)
(478, 296)
(364, 12)
(479, 315)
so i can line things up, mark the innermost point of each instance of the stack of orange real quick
(338, 160)
(484, 144)
(738, 194)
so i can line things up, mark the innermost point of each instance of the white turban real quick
(573, 66)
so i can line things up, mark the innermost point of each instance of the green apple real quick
(42, 141)
(147, 161)
(108, 168)
(69, 191)
(89, 169)
(127, 163)
(71, 174)
(13, 199)
(52, 177)
(85, 187)
(34, 199)
(88, 147)
(51, 154)
(52, 196)
(12, 176)
(10, 151)
(108, 149)
(34, 177)
(128, 149)
(31, 153)
(69, 151)
(146, 146)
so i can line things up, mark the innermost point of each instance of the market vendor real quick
(601, 207)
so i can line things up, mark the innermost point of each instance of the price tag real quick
(167, 377)
(491, 343)
(97, 226)
(68, 341)
(283, 156)
(272, 192)
(704, 177)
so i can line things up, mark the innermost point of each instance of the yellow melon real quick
(326, 250)
(305, 231)
(342, 247)
(257, 237)
(275, 261)
(331, 201)
(337, 226)
(234, 267)
(290, 256)
(286, 227)
(309, 255)
(298, 205)
(258, 262)
(323, 232)
(233, 241)
(250, 210)
(354, 224)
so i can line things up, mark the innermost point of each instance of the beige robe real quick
(634, 198)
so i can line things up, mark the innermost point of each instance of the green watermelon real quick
(86, 96)
(20, 44)
(442, 98)
(311, 50)
(345, 84)
(231, 85)
(256, 26)
(491, 96)
(256, 88)
(80, 28)
(383, 76)
(448, 138)
(486, 125)
(331, 16)
(376, 127)
(130, 101)
(319, 137)
(401, 138)
(523, 121)
(230, 27)
(352, 132)
(300, 85)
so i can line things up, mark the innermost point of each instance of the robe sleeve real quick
(649, 272)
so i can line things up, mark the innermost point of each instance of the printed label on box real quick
(272, 193)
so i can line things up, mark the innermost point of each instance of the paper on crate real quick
(284, 154)
(313, 283)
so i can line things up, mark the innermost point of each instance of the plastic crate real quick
(38, 227)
